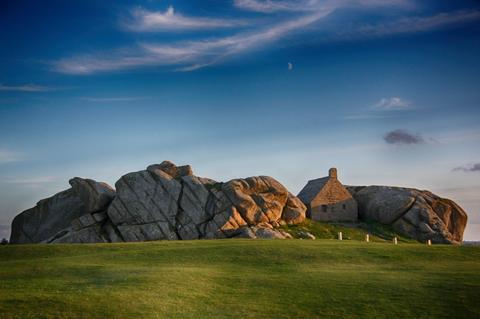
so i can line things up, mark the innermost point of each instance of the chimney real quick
(332, 173)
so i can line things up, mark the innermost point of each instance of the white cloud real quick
(195, 54)
(144, 20)
(25, 88)
(392, 103)
(7, 156)
(188, 55)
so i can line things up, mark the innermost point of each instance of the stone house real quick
(328, 200)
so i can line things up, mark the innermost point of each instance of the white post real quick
(340, 235)
(429, 242)
(367, 238)
(395, 240)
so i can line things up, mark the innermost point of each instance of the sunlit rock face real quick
(420, 215)
(164, 201)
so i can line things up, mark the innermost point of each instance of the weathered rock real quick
(54, 214)
(306, 235)
(171, 169)
(418, 214)
(384, 204)
(166, 201)
(96, 196)
(146, 205)
(91, 234)
(244, 232)
(83, 222)
(268, 233)
(258, 199)
(294, 211)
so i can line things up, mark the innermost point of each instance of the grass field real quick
(240, 279)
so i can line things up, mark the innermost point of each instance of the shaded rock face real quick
(164, 201)
(421, 215)
(57, 213)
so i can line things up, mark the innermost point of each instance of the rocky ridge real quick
(169, 202)
(164, 201)
(417, 214)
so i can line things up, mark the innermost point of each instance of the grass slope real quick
(350, 231)
(240, 279)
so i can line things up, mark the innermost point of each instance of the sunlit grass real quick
(240, 279)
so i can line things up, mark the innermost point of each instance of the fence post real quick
(340, 237)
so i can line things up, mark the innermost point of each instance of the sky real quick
(386, 91)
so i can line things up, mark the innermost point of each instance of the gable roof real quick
(313, 187)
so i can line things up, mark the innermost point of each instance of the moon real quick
(290, 66)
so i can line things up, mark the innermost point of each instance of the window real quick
(324, 208)
(344, 206)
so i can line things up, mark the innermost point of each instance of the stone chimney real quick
(332, 173)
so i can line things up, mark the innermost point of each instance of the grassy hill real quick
(350, 231)
(240, 279)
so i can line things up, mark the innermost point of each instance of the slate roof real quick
(313, 187)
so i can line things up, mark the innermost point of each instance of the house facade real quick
(328, 200)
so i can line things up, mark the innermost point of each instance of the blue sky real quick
(387, 91)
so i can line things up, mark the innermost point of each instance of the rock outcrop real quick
(420, 215)
(61, 211)
(164, 201)
(168, 202)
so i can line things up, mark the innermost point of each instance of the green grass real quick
(240, 279)
(350, 231)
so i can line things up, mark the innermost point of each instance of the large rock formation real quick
(164, 201)
(417, 214)
(61, 211)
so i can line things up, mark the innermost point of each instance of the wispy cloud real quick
(461, 136)
(403, 137)
(414, 24)
(143, 20)
(392, 103)
(270, 6)
(111, 99)
(188, 55)
(7, 156)
(468, 168)
(25, 88)
(366, 116)
(31, 182)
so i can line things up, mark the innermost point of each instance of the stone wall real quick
(343, 211)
